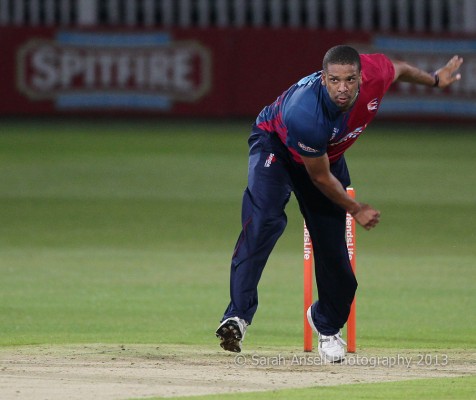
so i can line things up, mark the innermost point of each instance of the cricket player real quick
(297, 144)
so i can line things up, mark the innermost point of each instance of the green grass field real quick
(119, 231)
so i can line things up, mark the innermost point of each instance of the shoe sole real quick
(230, 337)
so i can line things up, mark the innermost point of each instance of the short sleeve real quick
(304, 135)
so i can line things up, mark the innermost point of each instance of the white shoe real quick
(331, 348)
(231, 333)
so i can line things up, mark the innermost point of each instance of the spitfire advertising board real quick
(205, 72)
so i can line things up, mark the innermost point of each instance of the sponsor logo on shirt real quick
(352, 135)
(307, 148)
(372, 106)
(335, 131)
(271, 159)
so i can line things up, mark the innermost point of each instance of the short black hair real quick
(343, 55)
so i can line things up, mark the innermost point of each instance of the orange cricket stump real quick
(308, 281)
(351, 248)
(308, 285)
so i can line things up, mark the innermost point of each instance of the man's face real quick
(342, 83)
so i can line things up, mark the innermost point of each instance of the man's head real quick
(342, 75)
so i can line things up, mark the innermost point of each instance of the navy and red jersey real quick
(309, 123)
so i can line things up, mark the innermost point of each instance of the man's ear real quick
(323, 78)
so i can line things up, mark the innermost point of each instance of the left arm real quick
(442, 77)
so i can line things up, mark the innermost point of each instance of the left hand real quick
(367, 216)
(447, 73)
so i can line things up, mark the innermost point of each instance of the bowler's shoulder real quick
(301, 111)
(377, 67)
(375, 60)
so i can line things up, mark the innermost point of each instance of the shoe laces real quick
(337, 337)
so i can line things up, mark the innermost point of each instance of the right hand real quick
(367, 216)
(449, 73)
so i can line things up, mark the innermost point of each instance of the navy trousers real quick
(272, 176)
